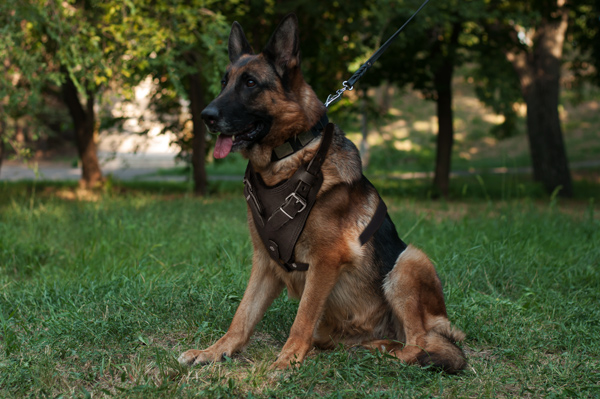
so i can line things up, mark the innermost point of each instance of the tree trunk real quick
(445, 138)
(197, 104)
(539, 74)
(387, 93)
(2, 148)
(84, 122)
(548, 154)
(364, 127)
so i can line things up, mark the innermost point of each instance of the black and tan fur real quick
(351, 294)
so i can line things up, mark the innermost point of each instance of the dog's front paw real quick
(285, 362)
(194, 357)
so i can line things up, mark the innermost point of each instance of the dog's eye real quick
(250, 83)
(223, 83)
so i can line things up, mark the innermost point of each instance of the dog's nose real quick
(210, 115)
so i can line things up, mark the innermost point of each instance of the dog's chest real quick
(294, 283)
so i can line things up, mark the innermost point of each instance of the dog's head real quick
(264, 99)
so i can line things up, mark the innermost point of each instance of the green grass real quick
(98, 298)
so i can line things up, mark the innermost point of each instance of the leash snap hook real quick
(332, 97)
(363, 68)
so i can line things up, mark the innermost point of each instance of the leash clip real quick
(333, 97)
(363, 68)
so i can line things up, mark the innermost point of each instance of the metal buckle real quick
(299, 200)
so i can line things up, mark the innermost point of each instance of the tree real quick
(2, 143)
(442, 83)
(425, 56)
(73, 54)
(82, 46)
(23, 75)
(183, 47)
(531, 36)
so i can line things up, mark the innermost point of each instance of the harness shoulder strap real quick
(314, 166)
(375, 223)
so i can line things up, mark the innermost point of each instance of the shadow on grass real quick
(27, 189)
(481, 187)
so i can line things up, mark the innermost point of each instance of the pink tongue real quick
(223, 146)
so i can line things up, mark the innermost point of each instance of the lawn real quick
(99, 295)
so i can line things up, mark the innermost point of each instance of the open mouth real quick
(248, 134)
(227, 142)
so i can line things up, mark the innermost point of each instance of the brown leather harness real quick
(280, 212)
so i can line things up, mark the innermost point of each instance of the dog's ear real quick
(238, 44)
(283, 49)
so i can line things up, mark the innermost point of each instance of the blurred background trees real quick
(531, 36)
(77, 51)
(181, 46)
(61, 58)
(70, 56)
(425, 57)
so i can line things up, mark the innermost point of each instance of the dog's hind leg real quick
(414, 292)
(263, 288)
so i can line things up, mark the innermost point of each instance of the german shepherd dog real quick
(383, 295)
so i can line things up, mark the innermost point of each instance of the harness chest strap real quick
(280, 212)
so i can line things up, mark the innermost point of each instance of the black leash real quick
(349, 84)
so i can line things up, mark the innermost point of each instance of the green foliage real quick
(512, 24)
(100, 297)
(497, 86)
(71, 38)
(583, 44)
(100, 45)
(24, 71)
(420, 50)
(170, 40)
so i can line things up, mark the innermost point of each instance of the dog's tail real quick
(442, 351)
